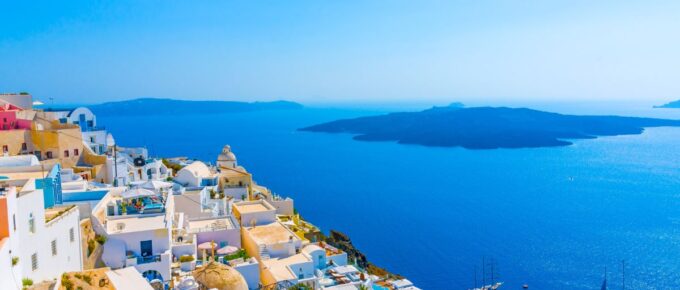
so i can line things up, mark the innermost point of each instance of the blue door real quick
(146, 248)
(83, 124)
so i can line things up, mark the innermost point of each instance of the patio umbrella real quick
(137, 192)
(206, 246)
(153, 184)
(228, 250)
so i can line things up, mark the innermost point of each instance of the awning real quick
(137, 192)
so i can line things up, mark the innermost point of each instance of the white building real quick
(138, 225)
(96, 138)
(196, 174)
(254, 212)
(318, 266)
(40, 242)
(141, 169)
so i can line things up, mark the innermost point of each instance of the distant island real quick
(157, 106)
(671, 105)
(486, 127)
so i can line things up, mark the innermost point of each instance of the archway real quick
(151, 275)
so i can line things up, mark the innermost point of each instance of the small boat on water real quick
(490, 287)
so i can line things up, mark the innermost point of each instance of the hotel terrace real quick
(137, 223)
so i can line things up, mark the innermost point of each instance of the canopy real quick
(228, 250)
(152, 184)
(137, 192)
(206, 246)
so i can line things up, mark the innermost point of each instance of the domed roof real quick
(308, 249)
(226, 154)
(219, 276)
(197, 168)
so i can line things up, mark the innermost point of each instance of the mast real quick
(623, 274)
(492, 280)
(475, 278)
(483, 272)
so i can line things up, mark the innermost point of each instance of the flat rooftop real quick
(24, 175)
(54, 212)
(250, 208)
(274, 233)
(135, 224)
(214, 224)
(233, 172)
(279, 267)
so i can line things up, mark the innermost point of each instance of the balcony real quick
(134, 259)
(148, 259)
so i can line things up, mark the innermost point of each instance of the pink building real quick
(9, 120)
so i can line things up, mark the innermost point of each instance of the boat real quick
(489, 287)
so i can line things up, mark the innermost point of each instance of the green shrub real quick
(186, 258)
(87, 279)
(15, 261)
(27, 282)
(100, 239)
(90, 247)
(68, 284)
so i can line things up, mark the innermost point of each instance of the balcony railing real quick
(148, 259)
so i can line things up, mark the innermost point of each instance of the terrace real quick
(138, 201)
(339, 275)
(134, 210)
(53, 213)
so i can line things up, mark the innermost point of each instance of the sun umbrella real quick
(228, 250)
(206, 246)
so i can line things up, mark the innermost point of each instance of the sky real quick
(333, 52)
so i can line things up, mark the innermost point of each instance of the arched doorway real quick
(151, 275)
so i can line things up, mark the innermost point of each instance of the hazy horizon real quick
(350, 52)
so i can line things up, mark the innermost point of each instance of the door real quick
(147, 248)
(82, 123)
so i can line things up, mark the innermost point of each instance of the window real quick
(31, 223)
(24, 147)
(92, 139)
(54, 247)
(75, 152)
(71, 235)
(34, 261)
(5, 148)
(66, 153)
(37, 154)
(14, 222)
(48, 154)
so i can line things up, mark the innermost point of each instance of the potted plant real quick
(187, 263)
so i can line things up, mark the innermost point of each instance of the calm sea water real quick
(552, 218)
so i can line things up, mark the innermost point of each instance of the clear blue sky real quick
(342, 51)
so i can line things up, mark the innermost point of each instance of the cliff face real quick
(343, 242)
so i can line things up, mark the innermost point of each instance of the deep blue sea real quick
(552, 218)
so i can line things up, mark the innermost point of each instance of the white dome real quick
(229, 157)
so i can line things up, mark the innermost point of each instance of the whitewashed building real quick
(195, 175)
(138, 225)
(34, 238)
